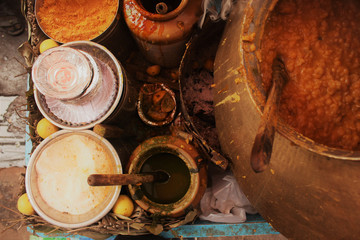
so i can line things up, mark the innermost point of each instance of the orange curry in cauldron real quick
(319, 42)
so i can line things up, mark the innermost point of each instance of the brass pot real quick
(194, 166)
(309, 191)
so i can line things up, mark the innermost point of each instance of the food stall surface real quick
(13, 81)
(12, 127)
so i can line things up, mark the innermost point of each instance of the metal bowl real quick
(120, 99)
(36, 181)
(99, 38)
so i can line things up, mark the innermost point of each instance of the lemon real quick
(24, 206)
(47, 44)
(45, 128)
(123, 206)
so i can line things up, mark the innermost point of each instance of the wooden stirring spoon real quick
(126, 179)
(262, 148)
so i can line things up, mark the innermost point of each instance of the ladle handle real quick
(125, 179)
(263, 144)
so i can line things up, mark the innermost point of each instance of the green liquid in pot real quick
(177, 185)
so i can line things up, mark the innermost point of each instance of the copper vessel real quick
(161, 36)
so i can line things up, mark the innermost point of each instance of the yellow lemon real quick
(47, 44)
(45, 128)
(123, 206)
(24, 206)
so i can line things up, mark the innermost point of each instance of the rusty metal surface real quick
(303, 194)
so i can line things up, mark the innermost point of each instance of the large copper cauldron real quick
(308, 191)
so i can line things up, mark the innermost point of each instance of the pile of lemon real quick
(124, 205)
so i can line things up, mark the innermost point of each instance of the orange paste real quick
(320, 44)
(71, 20)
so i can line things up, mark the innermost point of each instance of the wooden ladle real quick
(262, 148)
(126, 179)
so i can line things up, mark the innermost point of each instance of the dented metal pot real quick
(309, 191)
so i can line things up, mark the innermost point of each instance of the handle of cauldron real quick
(263, 144)
(126, 179)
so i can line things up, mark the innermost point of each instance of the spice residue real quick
(157, 104)
(71, 20)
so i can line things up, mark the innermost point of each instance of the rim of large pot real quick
(255, 16)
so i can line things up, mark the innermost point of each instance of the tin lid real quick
(62, 73)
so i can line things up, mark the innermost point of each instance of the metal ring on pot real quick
(160, 17)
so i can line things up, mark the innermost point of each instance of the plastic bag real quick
(217, 9)
(224, 201)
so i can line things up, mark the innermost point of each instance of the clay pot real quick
(195, 167)
(308, 191)
(162, 37)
